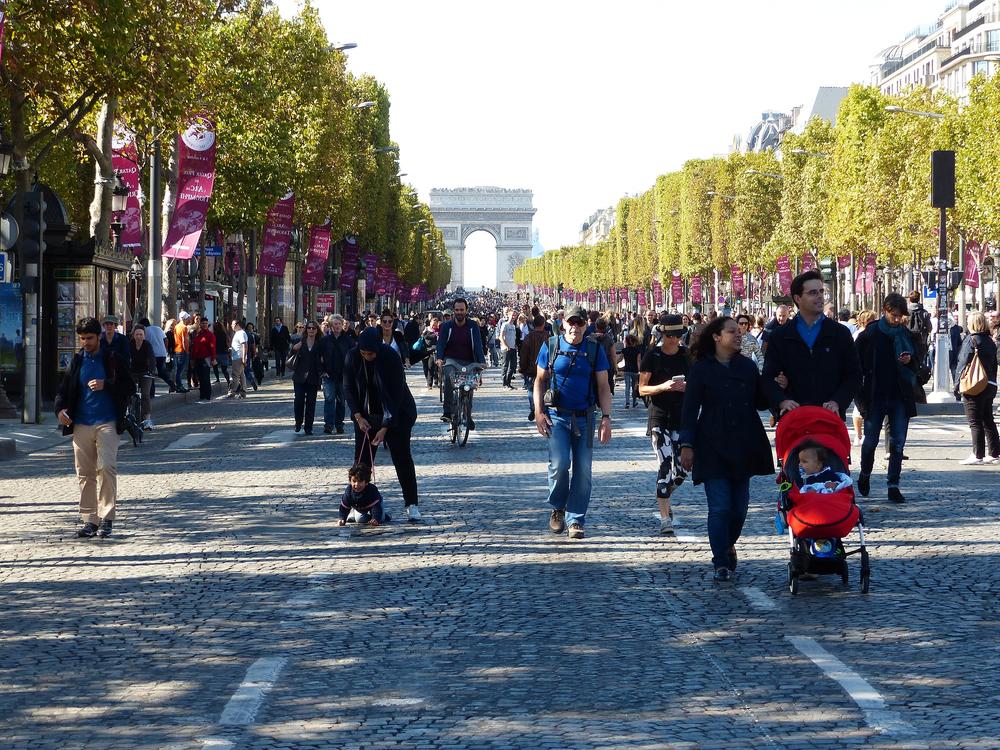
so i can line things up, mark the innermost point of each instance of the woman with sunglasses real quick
(306, 375)
(749, 346)
(393, 338)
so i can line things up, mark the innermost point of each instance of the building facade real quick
(963, 42)
(598, 227)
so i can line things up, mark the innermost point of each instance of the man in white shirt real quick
(158, 341)
(238, 351)
(508, 349)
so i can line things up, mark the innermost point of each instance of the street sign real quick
(3, 269)
(929, 293)
(8, 231)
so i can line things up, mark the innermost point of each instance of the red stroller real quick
(816, 523)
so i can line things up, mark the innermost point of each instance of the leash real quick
(371, 452)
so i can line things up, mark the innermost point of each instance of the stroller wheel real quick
(793, 579)
(865, 571)
(844, 576)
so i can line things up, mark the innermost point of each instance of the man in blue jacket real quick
(460, 342)
(383, 410)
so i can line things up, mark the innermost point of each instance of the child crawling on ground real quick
(363, 496)
(817, 476)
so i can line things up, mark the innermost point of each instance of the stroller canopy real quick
(814, 423)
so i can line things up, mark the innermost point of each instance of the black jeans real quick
(204, 370)
(280, 355)
(509, 365)
(979, 412)
(397, 440)
(305, 404)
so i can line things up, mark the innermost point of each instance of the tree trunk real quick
(100, 150)
(19, 136)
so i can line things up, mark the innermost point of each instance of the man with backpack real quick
(570, 380)
(919, 320)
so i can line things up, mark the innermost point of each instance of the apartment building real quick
(963, 42)
(598, 226)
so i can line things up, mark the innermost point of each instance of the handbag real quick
(292, 359)
(974, 379)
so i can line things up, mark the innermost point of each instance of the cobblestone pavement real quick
(230, 612)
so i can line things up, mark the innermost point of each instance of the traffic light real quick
(31, 240)
(828, 267)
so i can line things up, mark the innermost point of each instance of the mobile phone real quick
(679, 378)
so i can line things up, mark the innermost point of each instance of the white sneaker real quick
(971, 461)
(859, 441)
(666, 526)
(205, 401)
(412, 513)
(991, 460)
(353, 516)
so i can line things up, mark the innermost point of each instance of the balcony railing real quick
(891, 66)
(966, 29)
(974, 3)
(960, 53)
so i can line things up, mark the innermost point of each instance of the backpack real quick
(589, 353)
(920, 323)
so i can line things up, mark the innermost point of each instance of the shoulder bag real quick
(973, 380)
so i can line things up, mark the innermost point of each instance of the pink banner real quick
(319, 251)
(696, 290)
(125, 163)
(277, 237)
(195, 181)
(371, 262)
(973, 259)
(642, 298)
(808, 262)
(784, 273)
(843, 261)
(870, 273)
(3, 23)
(593, 297)
(623, 296)
(349, 262)
(739, 283)
(676, 288)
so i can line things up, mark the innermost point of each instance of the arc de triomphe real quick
(504, 213)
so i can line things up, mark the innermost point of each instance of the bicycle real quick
(133, 415)
(465, 380)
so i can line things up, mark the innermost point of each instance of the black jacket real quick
(872, 344)
(829, 372)
(719, 420)
(400, 408)
(411, 332)
(281, 341)
(987, 355)
(309, 363)
(141, 361)
(120, 344)
(334, 351)
(118, 383)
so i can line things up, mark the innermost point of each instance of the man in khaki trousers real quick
(90, 405)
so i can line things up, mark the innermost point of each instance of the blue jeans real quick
(180, 370)
(530, 385)
(728, 500)
(568, 451)
(333, 403)
(899, 423)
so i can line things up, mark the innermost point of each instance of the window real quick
(993, 41)
(981, 66)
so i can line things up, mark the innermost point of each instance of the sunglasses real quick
(574, 321)
(311, 328)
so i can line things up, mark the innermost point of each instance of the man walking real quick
(530, 347)
(508, 349)
(889, 360)
(116, 342)
(238, 351)
(333, 350)
(460, 343)
(281, 341)
(573, 372)
(203, 357)
(181, 350)
(814, 353)
(90, 405)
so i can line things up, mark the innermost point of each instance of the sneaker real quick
(472, 423)
(327, 430)
(413, 513)
(205, 401)
(722, 575)
(895, 495)
(255, 386)
(298, 427)
(576, 531)
(971, 460)
(531, 416)
(230, 395)
(340, 430)
(446, 417)
(105, 531)
(626, 406)
(557, 521)
(308, 432)
(87, 530)
(864, 484)
(666, 526)
(353, 516)
(991, 460)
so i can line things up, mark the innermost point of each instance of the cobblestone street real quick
(230, 612)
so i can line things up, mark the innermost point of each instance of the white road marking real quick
(249, 696)
(193, 440)
(871, 703)
(398, 702)
(215, 743)
(758, 599)
(688, 538)
(277, 439)
(28, 435)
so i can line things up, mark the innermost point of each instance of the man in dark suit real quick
(281, 342)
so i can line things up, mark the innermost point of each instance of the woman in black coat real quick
(382, 409)
(979, 408)
(393, 338)
(307, 374)
(722, 438)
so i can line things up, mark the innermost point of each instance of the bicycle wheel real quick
(466, 407)
(456, 416)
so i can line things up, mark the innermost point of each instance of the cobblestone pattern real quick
(477, 628)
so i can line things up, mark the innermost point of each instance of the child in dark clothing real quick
(630, 361)
(363, 496)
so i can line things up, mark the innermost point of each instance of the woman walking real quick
(430, 336)
(979, 408)
(393, 338)
(142, 366)
(222, 356)
(722, 438)
(749, 346)
(307, 372)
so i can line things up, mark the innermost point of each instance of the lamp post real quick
(7, 410)
(119, 199)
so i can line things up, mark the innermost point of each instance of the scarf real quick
(900, 337)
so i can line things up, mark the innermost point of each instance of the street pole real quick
(942, 378)
(154, 268)
(31, 283)
(252, 279)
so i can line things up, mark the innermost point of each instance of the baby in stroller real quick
(817, 476)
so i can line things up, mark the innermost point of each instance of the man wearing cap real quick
(115, 341)
(575, 383)
(181, 348)
(382, 409)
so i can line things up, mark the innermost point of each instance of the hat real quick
(670, 325)
(110, 319)
(185, 315)
(574, 311)
(370, 340)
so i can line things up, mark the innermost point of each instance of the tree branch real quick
(65, 113)
(70, 127)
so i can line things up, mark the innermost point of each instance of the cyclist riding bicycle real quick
(460, 343)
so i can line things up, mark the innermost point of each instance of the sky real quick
(583, 102)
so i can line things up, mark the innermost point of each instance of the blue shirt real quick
(571, 372)
(94, 407)
(809, 333)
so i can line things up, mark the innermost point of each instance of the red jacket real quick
(203, 344)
